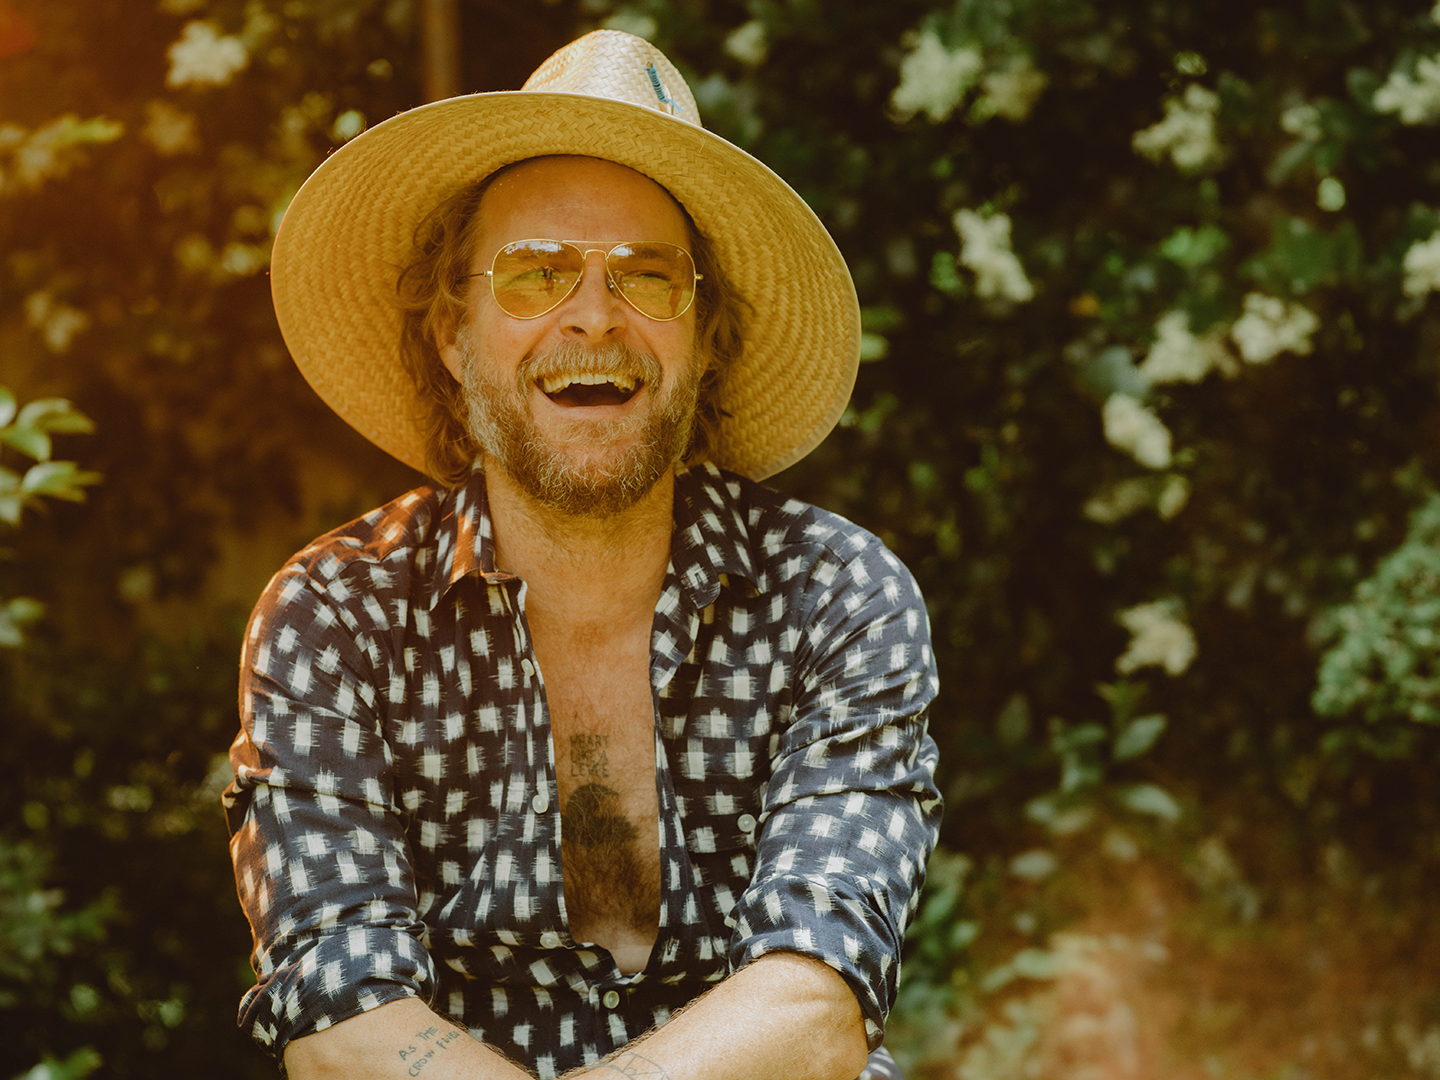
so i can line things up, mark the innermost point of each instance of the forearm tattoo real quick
(629, 1063)
(427, 1045)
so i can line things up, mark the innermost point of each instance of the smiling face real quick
(587, 406)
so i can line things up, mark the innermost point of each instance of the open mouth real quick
(583, 389)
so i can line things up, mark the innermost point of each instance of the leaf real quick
(30, 441)
(1034, 865)
(14, 616)
(59, 480)
(1138, 737)
(54, 414)
(10, 508)
(1152, 800)
(1193, 248)
(7, 406)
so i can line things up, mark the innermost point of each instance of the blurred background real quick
(1149, 405)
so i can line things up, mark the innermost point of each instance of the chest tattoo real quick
(590, 757)
(593, 818)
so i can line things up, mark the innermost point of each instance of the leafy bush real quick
(1149, 393)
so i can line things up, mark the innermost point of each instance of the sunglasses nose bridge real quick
(604, 254)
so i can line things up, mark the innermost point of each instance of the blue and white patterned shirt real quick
(394, 821)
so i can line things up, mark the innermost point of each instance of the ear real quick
(450, 354)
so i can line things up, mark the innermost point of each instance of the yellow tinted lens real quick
(658, 279)
(531, 276)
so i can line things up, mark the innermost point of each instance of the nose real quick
(594, 312)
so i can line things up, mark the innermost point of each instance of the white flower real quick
(985, 249)
(202, 57)
(1158, 637)
(1416, 99)
(57, 323)
(1187, 133)
(747, 43)
(1270, 326)
(1422, 266)
(1330, 195)
(243, 260)
(52, 151)
(1013, 90)
(933, 79)
(1302, 121)
(1180, 356)
(642, 26)
(169, 130)
(1167, 494)
(1131, 427)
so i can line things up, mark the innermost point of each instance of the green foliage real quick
(1218, 240)
(1385, 663)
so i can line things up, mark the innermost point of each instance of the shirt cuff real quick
(343, 973)
(834, 921)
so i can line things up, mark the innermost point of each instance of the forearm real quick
(783, 1017)
(398, 1041)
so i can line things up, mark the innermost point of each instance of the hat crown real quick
(620, 66)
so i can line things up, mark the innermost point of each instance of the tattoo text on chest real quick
(629, 1063)
(590, 757)
(428, 1043)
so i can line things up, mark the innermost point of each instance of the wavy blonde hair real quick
(432, 290)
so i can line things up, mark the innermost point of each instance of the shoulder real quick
(381, 552)
(787, 536)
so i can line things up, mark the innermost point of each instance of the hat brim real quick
(351, 227)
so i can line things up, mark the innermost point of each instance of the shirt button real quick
(746, 823)
(550, 940)
(541, 802)
(611, 999)
(527, 667)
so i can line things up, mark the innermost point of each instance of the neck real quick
(580, 568)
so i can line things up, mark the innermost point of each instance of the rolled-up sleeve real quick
(851, 811)
(317, 836)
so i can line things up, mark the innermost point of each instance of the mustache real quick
(569, 357)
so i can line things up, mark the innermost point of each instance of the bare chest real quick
(602, 723)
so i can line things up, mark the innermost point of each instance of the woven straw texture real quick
(350, 229)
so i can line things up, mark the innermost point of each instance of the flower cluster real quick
(49, 152)
(1131, 427)
(1416, 98)
(1422, 266)
(1159, 637)
(1187, 133)
(1270, 326)
(985, 249)
(203, 58)
(1180, 356)
(934, 79)
(747, 43)
(57, 323)
(169, 130)
(1011, 91)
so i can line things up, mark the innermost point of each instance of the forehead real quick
(577, 198)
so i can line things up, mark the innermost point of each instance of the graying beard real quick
(542, 471)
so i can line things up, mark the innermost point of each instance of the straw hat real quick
(606, 95)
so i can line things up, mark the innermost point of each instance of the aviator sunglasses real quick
(532, 277)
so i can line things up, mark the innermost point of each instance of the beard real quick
(578, 470)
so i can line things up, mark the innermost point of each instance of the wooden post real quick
(440, 47)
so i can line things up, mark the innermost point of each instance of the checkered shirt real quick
(394, 822)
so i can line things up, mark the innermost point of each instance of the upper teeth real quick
(553, 384)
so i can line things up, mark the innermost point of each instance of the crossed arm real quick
(783, 1016)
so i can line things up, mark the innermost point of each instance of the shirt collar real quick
(464, 540)
(711, 541)
(712, 538)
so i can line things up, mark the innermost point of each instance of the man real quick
(534, 757)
